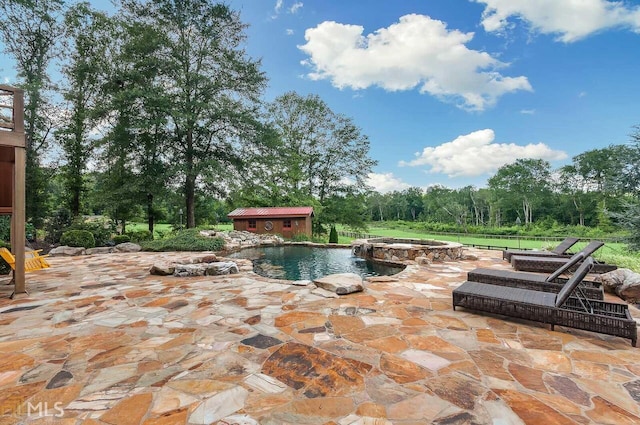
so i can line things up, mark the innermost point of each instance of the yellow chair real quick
(32, 260)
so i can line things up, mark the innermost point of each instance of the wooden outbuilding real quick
(284, 221)
(12, 174)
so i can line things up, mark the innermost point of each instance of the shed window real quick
(286, 224)
(253, 224)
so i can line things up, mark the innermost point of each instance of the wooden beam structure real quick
(13, 174)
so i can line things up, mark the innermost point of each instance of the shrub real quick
(118, 239)
(4, 267)
(138, 236)
(78, 238)
(333, 235)
(100, 229)
(5, 228)
(300, 237)
(56, 224)
(185, 240)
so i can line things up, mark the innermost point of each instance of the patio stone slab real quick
(112, 344)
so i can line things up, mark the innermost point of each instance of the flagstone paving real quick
(101, 341)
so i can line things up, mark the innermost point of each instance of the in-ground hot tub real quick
(400, 250)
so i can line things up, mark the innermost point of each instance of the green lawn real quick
(611, 252)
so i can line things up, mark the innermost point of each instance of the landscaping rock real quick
(128, 247)
(622, 282)
(187, 270)
(162, 269)
(221, 268)
(422, 260)
(66, 251)
(209, 258)
(341, 283)
(99, 250)
(205, 269)
(325, 293)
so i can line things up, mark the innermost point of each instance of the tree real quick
(30, 31)
(526, 180)
(323, 154)
(333, 235)
(414, 202)
(577, 191)
(630, 220)
(212, 87)
(87, 32)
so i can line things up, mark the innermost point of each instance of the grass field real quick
(612, 252)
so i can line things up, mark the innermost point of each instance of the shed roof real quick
(271, 212)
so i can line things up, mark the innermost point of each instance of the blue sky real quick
(450, 90)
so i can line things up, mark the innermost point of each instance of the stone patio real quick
(101, 341)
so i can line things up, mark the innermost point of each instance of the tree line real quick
(600, 188)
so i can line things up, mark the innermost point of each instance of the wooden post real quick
(18, 221)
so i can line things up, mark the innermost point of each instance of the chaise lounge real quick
(550, 264)
(560, 250)
(536, 282)
(568, 308)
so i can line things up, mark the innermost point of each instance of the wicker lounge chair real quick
(560, 250)
(536, 282)
(550, 264)
(554, 309)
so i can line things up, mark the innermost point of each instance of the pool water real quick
(308, 263)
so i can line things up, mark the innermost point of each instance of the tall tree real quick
(30, 31)
(213, 87)
(527, 180)
(88, 32)
(324, 153)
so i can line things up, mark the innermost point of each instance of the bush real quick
(56, 225)
(4, 267)
(100, 229)
(300, 237)
(185, 240)
(118, 239)
(333, 235)
(78, 238)
(138, 236)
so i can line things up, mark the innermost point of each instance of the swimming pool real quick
(297, 262)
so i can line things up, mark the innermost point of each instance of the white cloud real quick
(528, 111)
(278, 6)
(289, 31)
(415, 52)
(477, 153)
(582, 94)
(386, 182)
(295, 7)
(570, 20)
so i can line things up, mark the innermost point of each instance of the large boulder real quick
(623, 282)
(341, 283)
(221, 267)
(162, 269)
(100, 250)
(66, 251)
(205, 269)
(128, 247)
